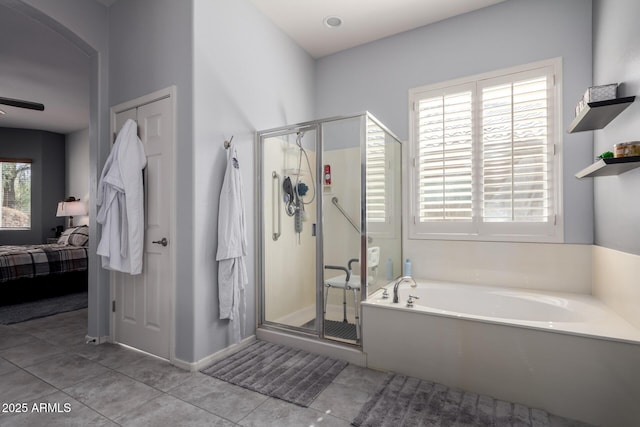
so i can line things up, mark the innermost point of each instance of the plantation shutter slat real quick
(445, 157)
(514, 140)
(376, 173)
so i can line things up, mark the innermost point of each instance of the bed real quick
(32, 272)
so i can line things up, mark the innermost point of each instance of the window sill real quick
(514, 238)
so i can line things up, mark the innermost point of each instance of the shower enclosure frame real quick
(261, 227)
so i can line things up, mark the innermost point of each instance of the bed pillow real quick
(79, 236)
(64, 237)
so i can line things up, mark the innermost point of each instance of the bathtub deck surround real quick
(570, 356)
(615, 282)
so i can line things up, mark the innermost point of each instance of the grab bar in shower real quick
(335, 201)
(276, 178)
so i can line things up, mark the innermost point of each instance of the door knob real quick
(163, 241)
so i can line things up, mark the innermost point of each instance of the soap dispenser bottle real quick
(407, 267)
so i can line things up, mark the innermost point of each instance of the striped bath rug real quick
(278, 371)
(406, 401)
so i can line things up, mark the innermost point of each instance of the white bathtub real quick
(566, 353)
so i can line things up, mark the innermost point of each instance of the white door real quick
(142, 303)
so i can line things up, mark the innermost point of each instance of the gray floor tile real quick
(112, 394)
(221, 398)
(31, 353)
(556, 421)
(65, 370)
(20, 386)
(156, 373)
(55, 410)
(71, 318)
(278, 413)
(6, 366)
(63, 336)
(360, 378)
(168, 411)
(341, 401)
(10, 338)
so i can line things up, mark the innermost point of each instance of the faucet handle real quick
(385, 293)
(410, 300)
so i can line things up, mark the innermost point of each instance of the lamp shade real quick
(73, 208)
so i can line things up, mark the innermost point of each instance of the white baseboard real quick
(203, 363)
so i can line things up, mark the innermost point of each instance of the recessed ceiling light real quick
(332, 21)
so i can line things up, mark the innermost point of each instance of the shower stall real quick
(329, 223)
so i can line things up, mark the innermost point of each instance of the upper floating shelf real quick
(610, 166)
(597, 115)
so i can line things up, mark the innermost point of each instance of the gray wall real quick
(377, 76)
(151, 48)
(47, 151)
(85, 24)
(249, 76)
(616, 59)
(77, 169)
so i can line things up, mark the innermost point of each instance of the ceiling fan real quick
(22, 104)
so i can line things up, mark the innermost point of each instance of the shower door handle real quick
(275, 178)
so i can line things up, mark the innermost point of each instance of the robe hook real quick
(227, 144)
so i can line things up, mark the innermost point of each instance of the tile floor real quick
(45, 361)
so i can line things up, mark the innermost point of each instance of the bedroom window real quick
(485, 158)
(16, 194)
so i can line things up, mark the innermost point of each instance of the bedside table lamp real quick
(71, 207)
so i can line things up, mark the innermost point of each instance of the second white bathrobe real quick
(232, 248)
(121, 203)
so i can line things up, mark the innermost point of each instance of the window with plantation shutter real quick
(484, 160)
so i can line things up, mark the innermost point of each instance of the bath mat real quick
(334, 328)
(278, 371)
(17, 313)
(407, 401)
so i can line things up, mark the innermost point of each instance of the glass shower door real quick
(289, 201)
(342, 226)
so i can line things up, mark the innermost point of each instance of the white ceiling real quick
(363, 20)
(38, 64)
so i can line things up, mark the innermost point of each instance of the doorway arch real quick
(98, 316)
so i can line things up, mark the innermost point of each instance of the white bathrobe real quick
(232, 248)
(121, 203)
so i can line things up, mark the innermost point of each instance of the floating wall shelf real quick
(610, 166)
(597, 115)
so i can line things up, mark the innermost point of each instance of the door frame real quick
(169, 92)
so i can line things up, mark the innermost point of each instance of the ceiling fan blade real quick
(22, 104)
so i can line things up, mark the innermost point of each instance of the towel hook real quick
(227, 144)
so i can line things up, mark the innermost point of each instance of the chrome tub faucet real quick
(400, 280)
